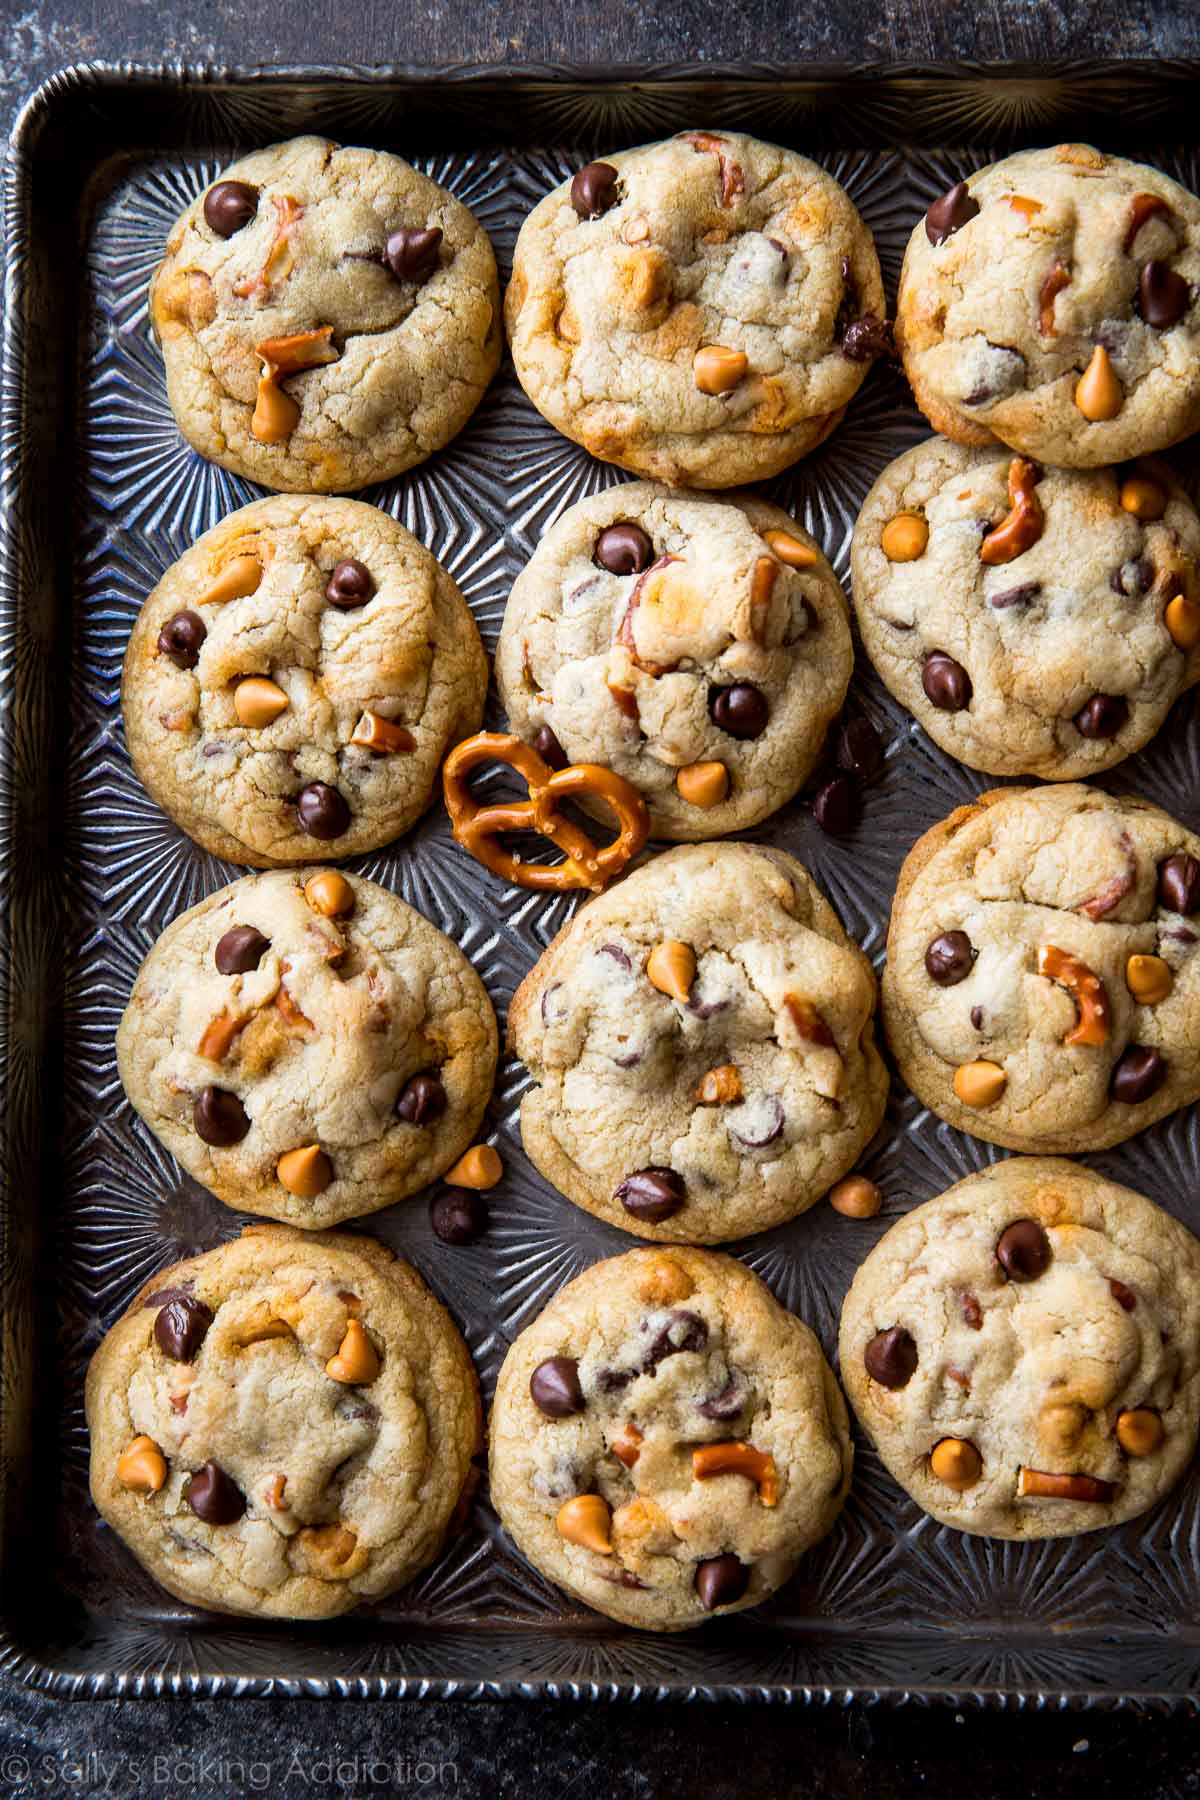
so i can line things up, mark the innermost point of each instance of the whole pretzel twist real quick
(477, 827)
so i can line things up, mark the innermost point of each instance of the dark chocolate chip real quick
(422, 1100)
(549, 748)
(350, 584)
(949, 958)
(181, 638)
(652, 1194)
(947, 684)
(623, 550)
(594, 190)
(1133, 577)
(740, 710)
(1179, 884)
(977, 1017)
(682, 1331)
(322, 811)
(241, 949)
(458, 1215)
(868, 338)
(611, 1381)
(1124, 1297)
(757, 1137)
(181, 1327)
(1102, 716)
(1163, 295)
(949, 214)
(1023, 1250)
(619, 956)
(837, 806)
(1139, 1074)
(413, 255)
(230, 205)
(213, 1497)
(720, 1581)
(554, 1387)
(162, 1296)
(351, 1407)
(891, 1357)
(1008, 372)
(725, 1405)
(1016, 596)
(219, 1117)
(859, 750)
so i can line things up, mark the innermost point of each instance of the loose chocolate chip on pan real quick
(652, 1194)
(181, 1327)
(1016, 596)
(554, 1387)
(859, 750)
(350, 584)
(322, 811)
(623, 550)
(949, 958)
(837, 806)
(949, 214)
(230, 205)
(241, 949)
(1179, 884)
(1102, 716)
(549, 748)
(594, 190)
(181, 638)
(1023, 1250)
(219, 1117)
(413, 255)
(947, 684)
(458, 1215)
(213, 1497)
(720, 1581)
(741, 710)
(422, 1100)
(1163, 295)
(867, 339)
(1139, 1074)
(891, 1357)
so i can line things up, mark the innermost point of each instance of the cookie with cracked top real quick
(667, 634)
(313, 1447)
(702, 1049)
(1052, 301)
(700, 310)
(293, 682)
(1042, 987)
(667, 1440)
(328, 317)
(1024, 1351)
(277, 1033)
(1036, 621)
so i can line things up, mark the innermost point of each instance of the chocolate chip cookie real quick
(1024, 1351)
(1036, 621)
(1042, 989)
(701, 1045)
(312, 1050)
(294, 680)
(1052, 301)
(666, 1440)
(284, 1427)
(328, 317)
(700, 310)
(699, 647)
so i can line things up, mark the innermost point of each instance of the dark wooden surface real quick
(188, 1750)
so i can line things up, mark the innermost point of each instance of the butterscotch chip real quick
(855, 1197)
(979, 1083)
(704, 784)
(903, 539)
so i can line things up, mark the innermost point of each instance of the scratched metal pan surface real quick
(99, 495)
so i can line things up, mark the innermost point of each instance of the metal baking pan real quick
(98, 495)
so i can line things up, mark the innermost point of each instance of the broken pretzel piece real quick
(276, 413)
(1038, 1485)
(738, 1459)
(1085, 987)
(1023, 525)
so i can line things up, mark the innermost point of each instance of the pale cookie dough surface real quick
(412, 359)
(715, 239)
(624, 669)
(411, 655)
(657, 1336)
(1079, 613)
(992, 353)
(1032, 1373)
(323, 1036)
(348, 1488)
(1068, 868)
(780, 997)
